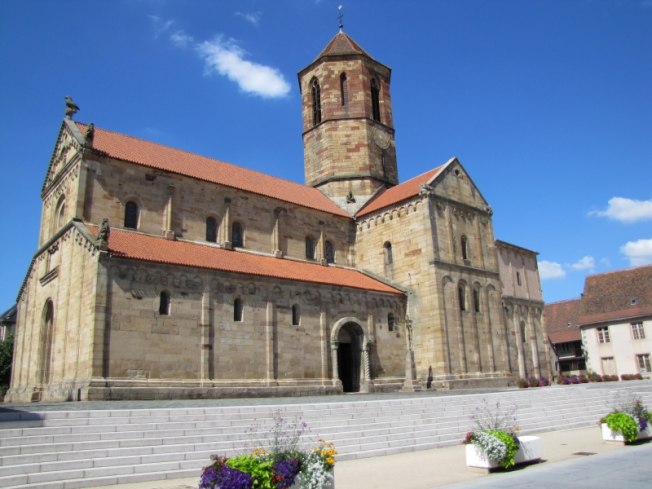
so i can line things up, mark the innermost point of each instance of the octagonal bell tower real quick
(348, 133)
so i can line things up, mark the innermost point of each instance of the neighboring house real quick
(165, 274)
(616, 321)
(561, 320)
(8, 323)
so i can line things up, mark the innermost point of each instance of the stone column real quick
(169, 232)
(321, 246)
(270, 343)
(535, 344)
(324, 343)
(277, 250)
(205, 332)
(365, 373)
(225, 226)
(336, 376)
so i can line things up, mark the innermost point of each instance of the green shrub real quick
(260, 470)
(624, 423)
(510, 458)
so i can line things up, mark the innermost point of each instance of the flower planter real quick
(530, 450)
(617, 436)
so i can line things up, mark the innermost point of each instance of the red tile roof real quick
(137, 246)
(619, 295)
(153, 155)
(403, 191)
(561, 321)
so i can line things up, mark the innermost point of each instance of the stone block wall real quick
(54, 351)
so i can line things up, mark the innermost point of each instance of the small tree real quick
(6, 356)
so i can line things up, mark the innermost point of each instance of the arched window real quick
(461, 292)
(316, 102)
(465, 247)
(47, 325)
(237, 235)
(344, 89)
(389, 258)
(391, 322)
(476, 300)
(329, 249)
(375, 99)
(237, 310)
(296, 315)
(518, 278)
(164, 303)
(131, 215)
(211, 229)
(60, 213)
(310, 248)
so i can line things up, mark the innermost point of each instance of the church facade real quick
(165, 274)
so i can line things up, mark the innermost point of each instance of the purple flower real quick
(208, 478)
(642, 423)
(219, 476)
(234, 479)
(285, 472)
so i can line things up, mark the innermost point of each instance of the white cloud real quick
(638, 252)
(160, 25)
(227, 59)
(181, 39)
(551, 269)
(586, 263)
(251, 17)
(626, 210)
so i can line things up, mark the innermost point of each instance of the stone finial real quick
(102, 240)
(426, 189)
(71, 108)
(90, 134)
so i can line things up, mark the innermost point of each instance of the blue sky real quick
(548, 104)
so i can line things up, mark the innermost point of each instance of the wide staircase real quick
(104, 446)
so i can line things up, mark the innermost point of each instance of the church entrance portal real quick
(348, 357)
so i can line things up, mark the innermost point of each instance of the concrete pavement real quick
(574, 458)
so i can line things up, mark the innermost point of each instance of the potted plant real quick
(628, 422)
(494, 442)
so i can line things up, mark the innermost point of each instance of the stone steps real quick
(102, 447)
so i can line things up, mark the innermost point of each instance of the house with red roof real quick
(607, 330)
(165, 274)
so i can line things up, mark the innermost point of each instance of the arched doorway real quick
(349, 343)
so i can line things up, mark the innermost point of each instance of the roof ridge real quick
(167, 158)
(199, 155)
(622, 270)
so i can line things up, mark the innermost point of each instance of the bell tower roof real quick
(341, 45)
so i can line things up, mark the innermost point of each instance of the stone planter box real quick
(617, 436)
(530, 450)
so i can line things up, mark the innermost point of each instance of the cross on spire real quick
(340, 17)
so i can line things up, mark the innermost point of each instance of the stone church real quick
(163, 274)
